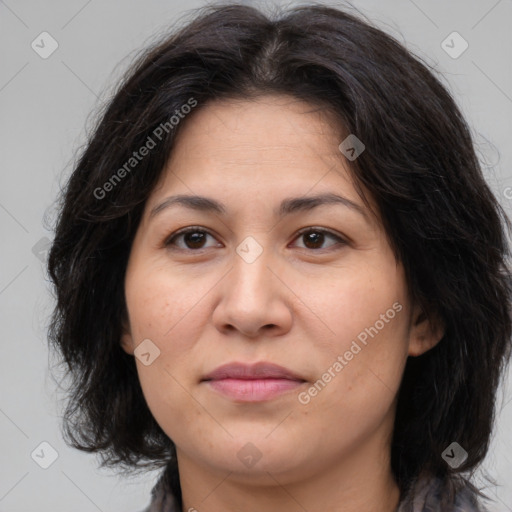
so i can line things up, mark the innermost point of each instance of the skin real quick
(300, 304)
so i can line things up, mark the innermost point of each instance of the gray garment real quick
(424, 496)
(430, 495)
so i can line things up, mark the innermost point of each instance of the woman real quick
(280, 274)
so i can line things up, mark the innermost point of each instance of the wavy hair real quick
(442, 221)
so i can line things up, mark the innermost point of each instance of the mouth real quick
(252, 383)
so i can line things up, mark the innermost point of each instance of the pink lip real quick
(252, 383)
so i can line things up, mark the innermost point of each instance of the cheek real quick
(167, 310)
(363, 356)
(161, 302)
(365, 302)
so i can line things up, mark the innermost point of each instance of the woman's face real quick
(246, 286)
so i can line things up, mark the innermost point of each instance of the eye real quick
(193, 238)
(314, 238)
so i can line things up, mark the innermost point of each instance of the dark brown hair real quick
(443, 222)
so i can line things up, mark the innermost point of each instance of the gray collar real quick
(425, 495)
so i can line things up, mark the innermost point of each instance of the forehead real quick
(279, 128)
(272, 145)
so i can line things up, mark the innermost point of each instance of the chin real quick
(255, 457)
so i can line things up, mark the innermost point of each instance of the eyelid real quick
(325, 231)
(189, 229)
(340, 239)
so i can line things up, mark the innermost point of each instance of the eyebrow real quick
(287, 207)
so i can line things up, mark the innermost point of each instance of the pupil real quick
(315, 238)
(195, 239)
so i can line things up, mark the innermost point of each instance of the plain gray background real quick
(45, 107)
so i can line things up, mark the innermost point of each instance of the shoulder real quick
(162, 499)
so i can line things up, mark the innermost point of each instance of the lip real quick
(261, 370)
(252, 382)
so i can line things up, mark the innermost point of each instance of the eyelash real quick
(169, 241)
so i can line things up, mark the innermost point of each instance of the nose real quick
(254, 298)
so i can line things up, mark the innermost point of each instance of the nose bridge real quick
(252, 257)
(252, 298)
